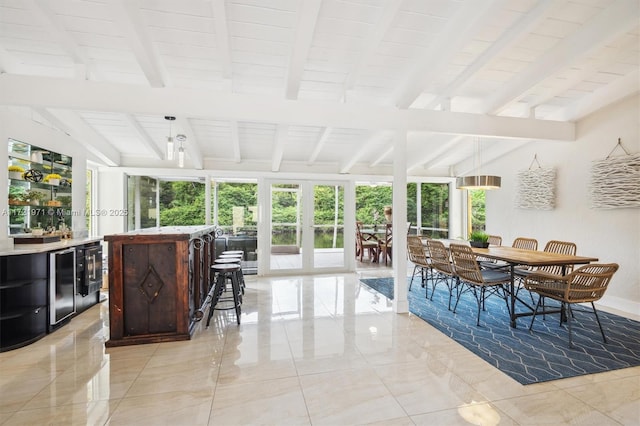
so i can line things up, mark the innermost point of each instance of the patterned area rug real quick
(528, 357)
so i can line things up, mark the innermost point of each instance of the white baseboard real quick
(624, 307)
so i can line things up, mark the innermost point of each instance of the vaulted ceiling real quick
(315, 85)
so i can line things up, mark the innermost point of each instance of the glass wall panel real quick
(141, 202)
(435, 210)
(182, 203)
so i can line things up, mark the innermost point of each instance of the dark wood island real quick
(158, 279)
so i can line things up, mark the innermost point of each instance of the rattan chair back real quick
(525, 243)
(465, 264)
(416, 251)
(440, 258)
(561, 247)
(495, 240)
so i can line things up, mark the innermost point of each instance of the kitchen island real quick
(158, 278)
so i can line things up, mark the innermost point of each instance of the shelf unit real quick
(23, 299)
(53, 205)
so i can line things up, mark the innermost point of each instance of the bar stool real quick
(223, 273)
(232, 261)
(240, 252)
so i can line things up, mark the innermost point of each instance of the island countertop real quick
(172, 232)
(12, 250)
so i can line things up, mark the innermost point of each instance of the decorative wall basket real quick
(536, 188)
(615, 181)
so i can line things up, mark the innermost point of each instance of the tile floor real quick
(310, 350)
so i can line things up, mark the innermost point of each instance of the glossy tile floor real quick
(310, 350)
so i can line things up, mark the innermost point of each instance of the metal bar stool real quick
(233, 261)
(223, 273)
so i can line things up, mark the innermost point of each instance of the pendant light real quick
(170, 144)
(181, 139)
(478, 181)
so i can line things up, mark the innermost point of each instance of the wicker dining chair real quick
(586, 284)
(482, 283)
(553, 246)
(442, 267)
(418, 255)
(495, 240)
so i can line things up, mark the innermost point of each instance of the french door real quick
(306, 223)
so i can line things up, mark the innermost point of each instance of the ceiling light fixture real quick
(478, 181)
(181, 139)
(170, 145)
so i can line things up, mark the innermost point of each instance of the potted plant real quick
(53, 179)
(15, 172)
(479, 239)
(17, 196)
(34, 197)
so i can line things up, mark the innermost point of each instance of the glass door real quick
(307, 226)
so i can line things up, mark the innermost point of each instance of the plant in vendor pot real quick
(479, 239)
(15, 172)
(34, 197)
(53, 179)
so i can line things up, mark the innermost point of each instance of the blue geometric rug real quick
(528, 357)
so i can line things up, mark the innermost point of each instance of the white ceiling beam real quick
(191, 146)
(458, 32)
(126, 14)
(22, 90)
(52, 24)
(594, 34)
(307, 18)
(509, 38)
(427, 160)
(143, 136)
(372, 143)
(8, 63)
(235, 141)
(72, 124)
(222, 36)
(319, 145)
(381, 157)
(278, 148)
(373, 40)
(470, 166)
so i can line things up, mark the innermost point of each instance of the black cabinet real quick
(23, 299)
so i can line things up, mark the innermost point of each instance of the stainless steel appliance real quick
(62, 285)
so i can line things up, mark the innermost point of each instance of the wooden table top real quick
(531, 257)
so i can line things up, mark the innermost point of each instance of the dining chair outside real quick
(482, 283)
(418, 255)
(442, 267)
(586, 284)
(385, 246)
(365, 242)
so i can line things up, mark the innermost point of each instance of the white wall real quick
(611, 235)
(17, 127)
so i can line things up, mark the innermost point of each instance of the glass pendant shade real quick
(170, 148)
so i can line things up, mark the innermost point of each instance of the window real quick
(141, 202)
(235, 207)
(182, 203)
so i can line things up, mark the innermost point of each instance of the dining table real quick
(515, 256)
